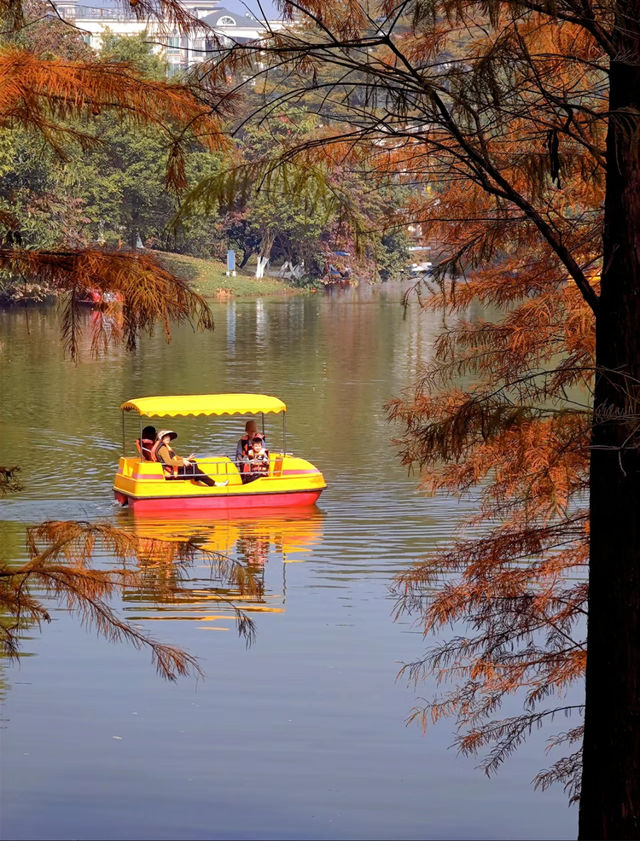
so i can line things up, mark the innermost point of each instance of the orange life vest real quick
(246, 439)
(257, 463)
(145, 447)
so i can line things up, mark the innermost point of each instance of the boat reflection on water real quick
(241, 563)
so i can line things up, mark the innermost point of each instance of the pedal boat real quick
(144, 487)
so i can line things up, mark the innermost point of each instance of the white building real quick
(181, 51)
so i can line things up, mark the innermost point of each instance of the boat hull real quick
(220, 502)
(291, 483)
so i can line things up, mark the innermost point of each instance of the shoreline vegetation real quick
(208, 277)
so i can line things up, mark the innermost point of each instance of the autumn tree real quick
(517, 124)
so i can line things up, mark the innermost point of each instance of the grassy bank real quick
(209, 279)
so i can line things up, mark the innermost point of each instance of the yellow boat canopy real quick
(204, 404)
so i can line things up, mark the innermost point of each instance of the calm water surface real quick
(303, 735)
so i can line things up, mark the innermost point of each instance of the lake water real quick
(303, 735)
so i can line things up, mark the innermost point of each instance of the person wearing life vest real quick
(244, 444)
(176, 467)
(242, 450)
(258, 457)
(145, 442)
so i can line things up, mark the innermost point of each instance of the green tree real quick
(297, 215)
(118, 186)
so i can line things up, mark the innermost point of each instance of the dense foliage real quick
(51, 101)
(305, 218)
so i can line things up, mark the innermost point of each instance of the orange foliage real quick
(148, 292)
(503, 411)
(42, 94)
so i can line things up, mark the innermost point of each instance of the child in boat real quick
(244, 444)
(258, 457)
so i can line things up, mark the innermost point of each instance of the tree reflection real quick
(59, 567)
(168, 591)
(161, 569)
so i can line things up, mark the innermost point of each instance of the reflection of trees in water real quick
(169, 578)
(158, 568)
(254, 550)
(230, 569)
(59, 566)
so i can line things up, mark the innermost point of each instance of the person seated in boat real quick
(258, 457)
(145, 442)
(244, 444)
(175, 466)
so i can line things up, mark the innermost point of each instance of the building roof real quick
(240, 19)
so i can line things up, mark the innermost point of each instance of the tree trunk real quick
(265, 253)
(610, 797)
